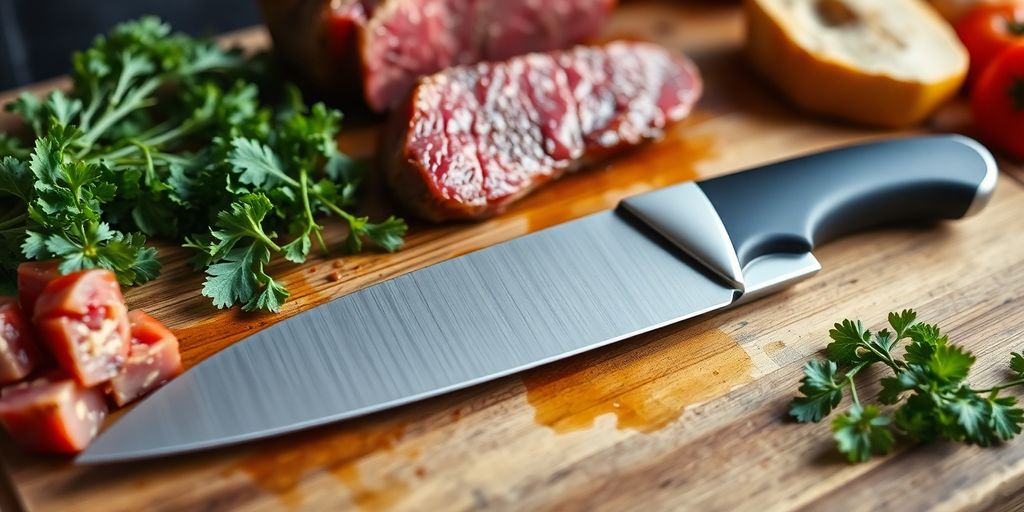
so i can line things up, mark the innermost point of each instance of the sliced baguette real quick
(886, 63)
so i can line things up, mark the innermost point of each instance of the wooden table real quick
(691, 415)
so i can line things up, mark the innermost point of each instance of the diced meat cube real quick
(82, 319)
(18, 352)
(154, 360)
(33, 276)
(53, 414)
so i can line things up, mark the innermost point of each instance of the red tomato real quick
(153, 361)
(987, 30)
(18, 352)
(33, 276)
(82, 318)
(53, 414)
(998, 102)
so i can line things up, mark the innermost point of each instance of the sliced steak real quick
(470, 140)
(391, 43)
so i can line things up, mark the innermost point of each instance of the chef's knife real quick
(659, 258)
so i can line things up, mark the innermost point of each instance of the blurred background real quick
(37, 36)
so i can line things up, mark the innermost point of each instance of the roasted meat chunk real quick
(472, 139)
(388, 44)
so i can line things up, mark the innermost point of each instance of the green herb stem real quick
(311, 222)
(885, 358)
(111, 117)
(337, 210)
(1005, 385)
(853, 390)
(85, 121)
(148, 159)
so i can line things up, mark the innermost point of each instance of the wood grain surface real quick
(688, 417)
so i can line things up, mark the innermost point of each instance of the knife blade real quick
(659, 258)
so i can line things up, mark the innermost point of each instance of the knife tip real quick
(92, 456)
(95, 454)
(109, 448)
(88, 459)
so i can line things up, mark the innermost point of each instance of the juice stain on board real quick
(646, 387)
(280, 468)
(675, 159)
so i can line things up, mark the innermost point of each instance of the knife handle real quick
(794, 205)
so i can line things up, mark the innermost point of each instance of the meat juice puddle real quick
(282, 467)
(672, 160)
(646, 386)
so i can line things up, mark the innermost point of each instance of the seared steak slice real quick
(470, 140)
(391, 43)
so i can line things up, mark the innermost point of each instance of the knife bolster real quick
(685, 217)
(773, 272)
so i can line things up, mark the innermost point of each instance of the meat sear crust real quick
(471, 140)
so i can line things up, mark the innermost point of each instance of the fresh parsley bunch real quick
(163, 135)
(928, 386)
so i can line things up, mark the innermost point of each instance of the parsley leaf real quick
(257, 165)
(297, 250)
(15, 179)
(236, 254)
(388, 234)
(892, 388)
(969, 412)
(233, 280)
(925, 339)
(270, 298)
(950, 364)
(1003, 418)
(1017, 363)
(166, 135)
(901, 321)
(861, 432)
(64, 213)
(927, 389)
(847, 337)
(821, 392)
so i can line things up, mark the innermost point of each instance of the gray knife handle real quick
(791, 206)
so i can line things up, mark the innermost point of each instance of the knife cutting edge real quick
(659, 258)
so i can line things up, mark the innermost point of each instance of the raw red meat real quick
(52, 414)
(33, 276)
(154, 360)
(82, 319)
(470, 140)
(388, 44)
(18, 352)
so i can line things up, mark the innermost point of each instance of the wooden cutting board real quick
(691, 415)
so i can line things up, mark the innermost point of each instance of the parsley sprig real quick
(164, 135)
(927, 391)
